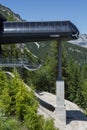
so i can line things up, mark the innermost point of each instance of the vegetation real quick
(18, 106)
(74, 75)
(79, 54)
(6, 12)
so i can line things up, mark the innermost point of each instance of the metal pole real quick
(59, 60)
(0, 53)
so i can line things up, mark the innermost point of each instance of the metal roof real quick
(17, 32)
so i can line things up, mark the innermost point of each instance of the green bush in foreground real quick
(10, 123)
(17, 101)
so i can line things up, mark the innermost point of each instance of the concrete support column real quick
(60, 102)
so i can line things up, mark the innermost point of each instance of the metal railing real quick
(12, 62)
(19, 63)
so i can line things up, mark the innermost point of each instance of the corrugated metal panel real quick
(21, 32)
(39, 27)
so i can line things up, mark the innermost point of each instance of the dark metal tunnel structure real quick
(22, 32)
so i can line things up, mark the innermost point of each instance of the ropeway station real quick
(23, 32)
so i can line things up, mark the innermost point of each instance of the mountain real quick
(9, 14)
(81, 41)
(76, 52)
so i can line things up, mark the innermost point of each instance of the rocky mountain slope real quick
(75, 119)
(81, 41)
(9, 14)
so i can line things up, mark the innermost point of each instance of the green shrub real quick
(17, 101)
(10, 123)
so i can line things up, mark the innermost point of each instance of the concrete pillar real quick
(60, 102)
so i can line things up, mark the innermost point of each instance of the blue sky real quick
(36, 10)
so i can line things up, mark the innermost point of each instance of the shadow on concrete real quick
(72, 115)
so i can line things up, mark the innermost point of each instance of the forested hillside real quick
(9, 14)
(18, 106)
(74, 59)
(77, 53)
(74, 74)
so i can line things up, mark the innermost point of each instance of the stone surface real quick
(76, 120)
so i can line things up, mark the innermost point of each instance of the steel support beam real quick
(59, 60)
